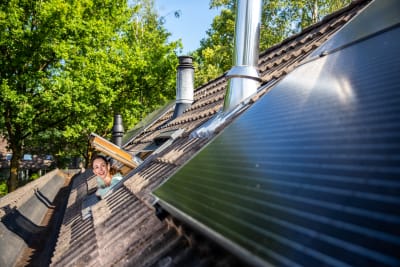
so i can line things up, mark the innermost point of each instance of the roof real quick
(30, 219)
(126, 228)
(33, 162)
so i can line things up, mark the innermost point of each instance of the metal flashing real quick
(209, 128)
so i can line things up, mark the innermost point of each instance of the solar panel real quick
(378, 16)
(310, 174)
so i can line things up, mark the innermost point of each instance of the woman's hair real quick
(113, 170)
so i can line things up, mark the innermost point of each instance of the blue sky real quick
(191, 26)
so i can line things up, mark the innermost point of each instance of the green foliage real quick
(280, 19)
(215, 53)
(34, 176)
(3, 188)
(69, 66)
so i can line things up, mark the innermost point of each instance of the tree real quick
(280, 19)
(68, 66)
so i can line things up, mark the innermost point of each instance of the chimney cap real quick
(185, 61)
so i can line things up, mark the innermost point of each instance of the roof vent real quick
(118, 130)
(184, 85)
(243, 77)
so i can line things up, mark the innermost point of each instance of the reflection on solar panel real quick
(379, 16)
(310, 174)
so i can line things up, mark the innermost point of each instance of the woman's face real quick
(101, 168)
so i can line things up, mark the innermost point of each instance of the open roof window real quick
(122, 160)
(131, 159)
(114, 151)
(160, 142)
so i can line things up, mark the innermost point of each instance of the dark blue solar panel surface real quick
(310, 174)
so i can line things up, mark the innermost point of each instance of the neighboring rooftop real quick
(29, 161)
(30, 220)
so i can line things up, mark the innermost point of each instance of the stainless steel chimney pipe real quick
(117, 130)
(184, 85)
(243, 77)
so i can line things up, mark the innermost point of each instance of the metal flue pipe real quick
(184, 85)
(243, 78)
(117, 130)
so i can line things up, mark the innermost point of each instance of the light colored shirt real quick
(102, 189)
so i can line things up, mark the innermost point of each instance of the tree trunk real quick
(315, 12)
(88, 155)
(14, 169)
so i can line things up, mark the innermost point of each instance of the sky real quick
(195, 19)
